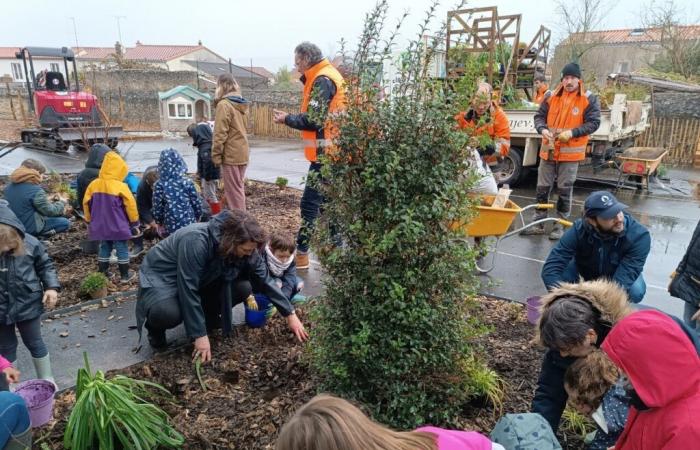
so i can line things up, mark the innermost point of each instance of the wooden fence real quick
(680, 136)
(260, 121)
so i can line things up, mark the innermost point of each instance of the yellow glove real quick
(565, 136)
(252, 304)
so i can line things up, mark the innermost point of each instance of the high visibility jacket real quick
(540, 94)
(311, 139)
(495, 124)
(578, 111)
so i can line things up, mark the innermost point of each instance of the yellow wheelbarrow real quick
(495, 222)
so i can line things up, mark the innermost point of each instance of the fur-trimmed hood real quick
(605, 296)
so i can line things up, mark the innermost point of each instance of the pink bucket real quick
(38, 395)
(533, 309)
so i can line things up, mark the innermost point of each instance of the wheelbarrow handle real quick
(544, 205)
(565, 223)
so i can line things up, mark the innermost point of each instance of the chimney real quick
(199, 42)
(138, 43)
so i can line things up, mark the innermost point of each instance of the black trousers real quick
(163, 310)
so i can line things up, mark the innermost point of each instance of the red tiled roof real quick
(8, 52)
(159, 52)
(263, 72)
(93, 52)
(630, 35)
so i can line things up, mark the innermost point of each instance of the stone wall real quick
(677, 105)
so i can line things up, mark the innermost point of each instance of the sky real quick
(258, 32)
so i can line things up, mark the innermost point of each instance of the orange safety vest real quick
(330, 131)
(498, 128)
(566, 110)
(539, 96)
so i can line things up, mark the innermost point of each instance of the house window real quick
(17, 73)
(54, 67)
(623, 66)
(180, 110)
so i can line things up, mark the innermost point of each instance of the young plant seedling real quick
(198, 371)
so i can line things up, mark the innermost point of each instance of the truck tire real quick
(511, 170)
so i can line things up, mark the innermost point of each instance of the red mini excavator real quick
(66, 116)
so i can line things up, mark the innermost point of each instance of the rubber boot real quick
(43, 368)
(302, 260)
(125, 274)
(21, 441)
(557, 232)
(103, 267)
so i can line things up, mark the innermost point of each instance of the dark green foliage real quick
(393, 327)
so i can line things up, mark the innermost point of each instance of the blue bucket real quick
(257, 319)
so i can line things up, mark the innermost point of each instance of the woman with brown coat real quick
(230, 145)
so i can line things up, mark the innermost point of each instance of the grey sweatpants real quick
(564, 173)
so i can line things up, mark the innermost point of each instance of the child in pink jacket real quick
(331, 422)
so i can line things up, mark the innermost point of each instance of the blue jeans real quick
(14, 416)
(635, 292)
(59, 224)
(311, 201)
(688, 311)
(30, 330)
(106, 250)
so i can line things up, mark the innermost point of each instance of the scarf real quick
(276, 266)
(25, 175)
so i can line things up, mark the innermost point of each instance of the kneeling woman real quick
(198, 273)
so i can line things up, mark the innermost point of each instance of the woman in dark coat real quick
(197, 274)
(685, 283)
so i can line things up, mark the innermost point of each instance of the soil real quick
(277, 211)
(259, 378)
(10, 129)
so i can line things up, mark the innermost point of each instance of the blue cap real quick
(602, 204)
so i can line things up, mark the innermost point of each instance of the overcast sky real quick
(265, 31)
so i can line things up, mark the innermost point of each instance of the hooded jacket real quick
(91, 170)
(230, 142)
(686, 281)
(664, 369)
(176, 202)
(24, 278)
(619, 258)
(611, 302)
(29, 201)
(202, 137)
(189, 260)
(109, 206)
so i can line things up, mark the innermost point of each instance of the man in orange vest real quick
(324, 95)
(565, 119)
(486, 117)
(541, 88)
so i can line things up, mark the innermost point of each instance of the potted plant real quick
(281, 183)
(113, 413)
(95, 285)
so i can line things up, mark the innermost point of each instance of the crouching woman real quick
(198, 273)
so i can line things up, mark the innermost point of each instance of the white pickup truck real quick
(619, 125)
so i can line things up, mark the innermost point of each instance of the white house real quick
(10, 66)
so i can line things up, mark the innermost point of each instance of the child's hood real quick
(201, 135)
(171, 165)
(656, 355)
(7, 217)
(113, 167)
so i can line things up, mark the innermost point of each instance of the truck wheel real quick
(511, 170)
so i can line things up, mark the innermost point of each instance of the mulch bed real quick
(277, 211)
(259, 378)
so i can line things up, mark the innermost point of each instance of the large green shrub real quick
(393, 327)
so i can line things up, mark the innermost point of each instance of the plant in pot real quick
(95, 285)
(281, 183)
(115, 413)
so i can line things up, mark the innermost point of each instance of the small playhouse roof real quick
(187, 91)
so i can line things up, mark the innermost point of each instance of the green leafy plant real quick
(198, 371)
(281, 182)
(483, 380)
(396, 319)
(574, 422)
(114, 413)
(93, 282)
